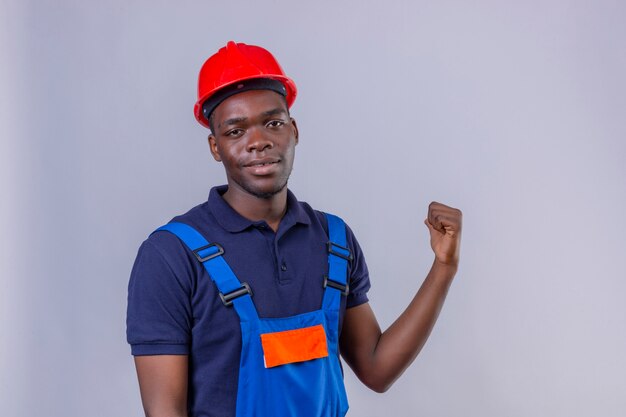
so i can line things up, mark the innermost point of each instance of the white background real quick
(512, 111)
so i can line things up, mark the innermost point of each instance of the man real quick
(241, 306)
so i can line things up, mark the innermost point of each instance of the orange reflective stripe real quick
(291, 346)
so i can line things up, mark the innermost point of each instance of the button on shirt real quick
(174, 307)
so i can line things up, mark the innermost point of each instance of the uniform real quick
(175, 308)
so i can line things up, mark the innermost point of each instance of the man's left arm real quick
(379, 358)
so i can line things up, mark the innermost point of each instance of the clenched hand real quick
(444, 224)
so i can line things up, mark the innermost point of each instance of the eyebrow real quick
(233, 121)
(237, 120)
(274, 112)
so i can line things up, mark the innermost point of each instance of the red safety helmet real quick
(234, 63)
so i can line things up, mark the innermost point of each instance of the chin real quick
(264, 193)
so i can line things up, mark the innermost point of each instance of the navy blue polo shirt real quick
(174, 307)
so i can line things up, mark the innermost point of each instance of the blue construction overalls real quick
(289, 366)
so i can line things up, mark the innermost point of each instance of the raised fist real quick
(444, 224)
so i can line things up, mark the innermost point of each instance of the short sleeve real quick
(159, 314)
(359, 278)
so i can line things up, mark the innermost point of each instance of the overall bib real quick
(289, 366)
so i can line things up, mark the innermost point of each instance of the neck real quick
(271, 210)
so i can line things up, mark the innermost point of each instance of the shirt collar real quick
(234, 222)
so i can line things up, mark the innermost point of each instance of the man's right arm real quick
(158, 322)
(163, 384)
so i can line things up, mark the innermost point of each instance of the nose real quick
(258, 141)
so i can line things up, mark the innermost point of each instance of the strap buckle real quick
(220, 251)
(344, 288)
(340, 251)
(228, 298)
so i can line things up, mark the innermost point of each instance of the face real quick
(255, 140)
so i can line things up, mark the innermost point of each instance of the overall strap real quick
(336, 282)
(232, 291)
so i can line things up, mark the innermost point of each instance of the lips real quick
(262, 166)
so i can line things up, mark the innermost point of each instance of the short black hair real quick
(211, 125)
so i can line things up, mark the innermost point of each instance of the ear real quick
(295, 129)
(213, 147)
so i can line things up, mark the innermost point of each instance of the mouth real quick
(262, 166)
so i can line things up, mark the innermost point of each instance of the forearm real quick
(398, 346)
(403, 340)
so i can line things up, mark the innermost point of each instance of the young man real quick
(241, 306)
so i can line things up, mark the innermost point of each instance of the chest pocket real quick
(291, 346)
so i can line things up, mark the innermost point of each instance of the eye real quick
(233, 133)
(275, 123)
